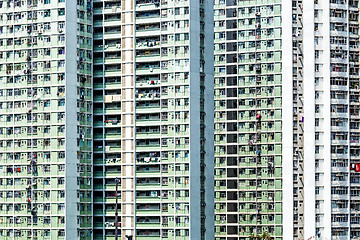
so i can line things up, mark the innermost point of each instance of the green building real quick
(251, 86)
(46, 119)
(203, 112)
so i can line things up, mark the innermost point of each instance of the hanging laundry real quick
(352, 166)
(357, 168)
(301, 117)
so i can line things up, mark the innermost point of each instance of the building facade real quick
(286, 113)
(46, 119)
(152, 87)
(249, 118)
(331, 107)
(203, 112)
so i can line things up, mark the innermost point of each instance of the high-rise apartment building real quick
(257, 63)
(331, 111)
(153, 84)
(198, 119)
(286, 119)
(45, 119)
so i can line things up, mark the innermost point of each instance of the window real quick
(317, 136)
(61, 12)
(47, 26)
(47, 103)
(317, 177)
(61, 233)
(47, 233)
(47, 195)
(47, 13)
(61, 154)
(46, 168)
(61, 194)
(61, 63)
(186, 10)
(339, 190)
(61, 181)
(61, 167)
(61, 38)
(47, 39)
(61, 102)
(47, 207)
(61, 51)
(61, 25)
(46, 181)
(61, 207)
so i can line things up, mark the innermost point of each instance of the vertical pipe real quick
(116, 208)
